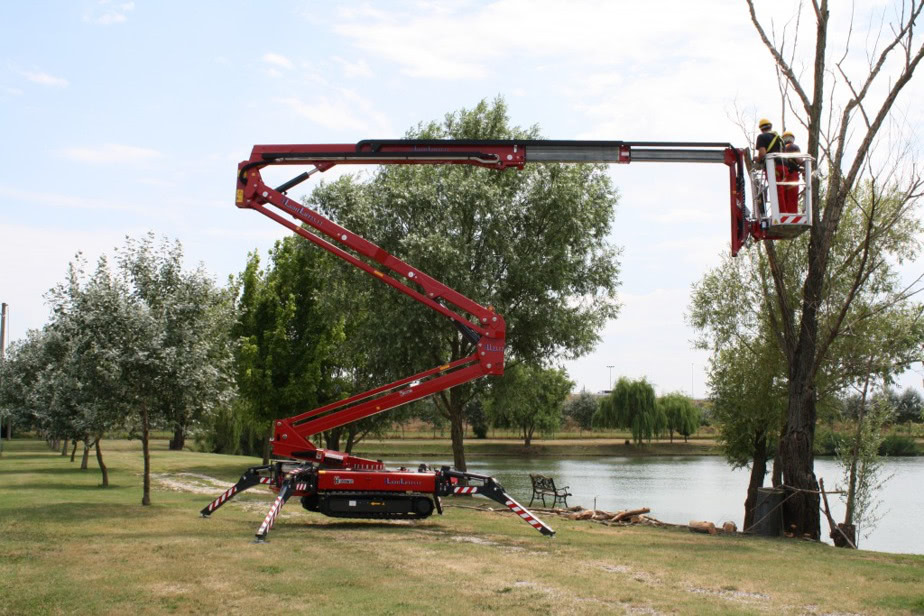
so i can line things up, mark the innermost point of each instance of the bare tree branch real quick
(862, 275)
(780, 61)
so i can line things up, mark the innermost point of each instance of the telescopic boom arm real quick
(339, 484)
(481, 325)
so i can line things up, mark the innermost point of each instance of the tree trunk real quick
(455, 432)
(266, 449)
(74, 451)
(758, 472)
(86, 456)
(64, 447)
(145, 437)
(776, 476)
(179, 438)
(332, 438)
(845, 536)
(854, 459)
(671, 432)
(351, 439)
(801, 514)
(102, 467)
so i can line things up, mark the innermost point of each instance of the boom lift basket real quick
(782, 192)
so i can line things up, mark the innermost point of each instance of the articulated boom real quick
(342, 485)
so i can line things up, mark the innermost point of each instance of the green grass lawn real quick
(68, 546)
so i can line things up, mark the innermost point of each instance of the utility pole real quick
(611, 376)
(2, 352)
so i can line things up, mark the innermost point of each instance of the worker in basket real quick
(769, 142)
(792, 169)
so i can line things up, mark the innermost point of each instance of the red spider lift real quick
(342, 485)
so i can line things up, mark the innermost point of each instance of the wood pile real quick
(625, 517)
(638, 516)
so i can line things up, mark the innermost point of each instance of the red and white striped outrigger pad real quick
(528, 517)
(270, 518)
(221, 500)
(515, 507)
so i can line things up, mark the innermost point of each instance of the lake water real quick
(682, 488)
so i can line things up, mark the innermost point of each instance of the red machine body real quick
(392, 481)
(342, 485)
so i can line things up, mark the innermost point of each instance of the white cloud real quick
(276, 59)
(470, 40)
(347, 112)
(108, 13)
(44, 79)
(50, 199)
(159, 182)
(403, 44)
(354, 69)
(267, 233)
(324, 112)
(110, 153)
(677, 216)
(363, 10)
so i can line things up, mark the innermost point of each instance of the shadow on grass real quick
(63, 470)
(15, 456)
(392, 525)
(76, 512)
(59, 486)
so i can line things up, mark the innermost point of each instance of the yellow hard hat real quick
(764, 122)
(788, 134)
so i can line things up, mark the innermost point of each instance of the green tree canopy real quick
(532, 243)
(631, 404)
(680, 414)
(137, 348)
(529, 398)
(581, 409)
(286, 361)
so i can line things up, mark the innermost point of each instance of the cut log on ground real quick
(702, 527)
(630, 513)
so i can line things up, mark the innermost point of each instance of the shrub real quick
(898, 445)
(827, 441)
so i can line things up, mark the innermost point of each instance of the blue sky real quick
(123, 117)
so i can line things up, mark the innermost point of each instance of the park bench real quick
(545, 486)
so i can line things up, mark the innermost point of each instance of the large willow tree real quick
(632, 405)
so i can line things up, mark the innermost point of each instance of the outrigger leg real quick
(288, 487)
(249, 479)
(493, 490)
